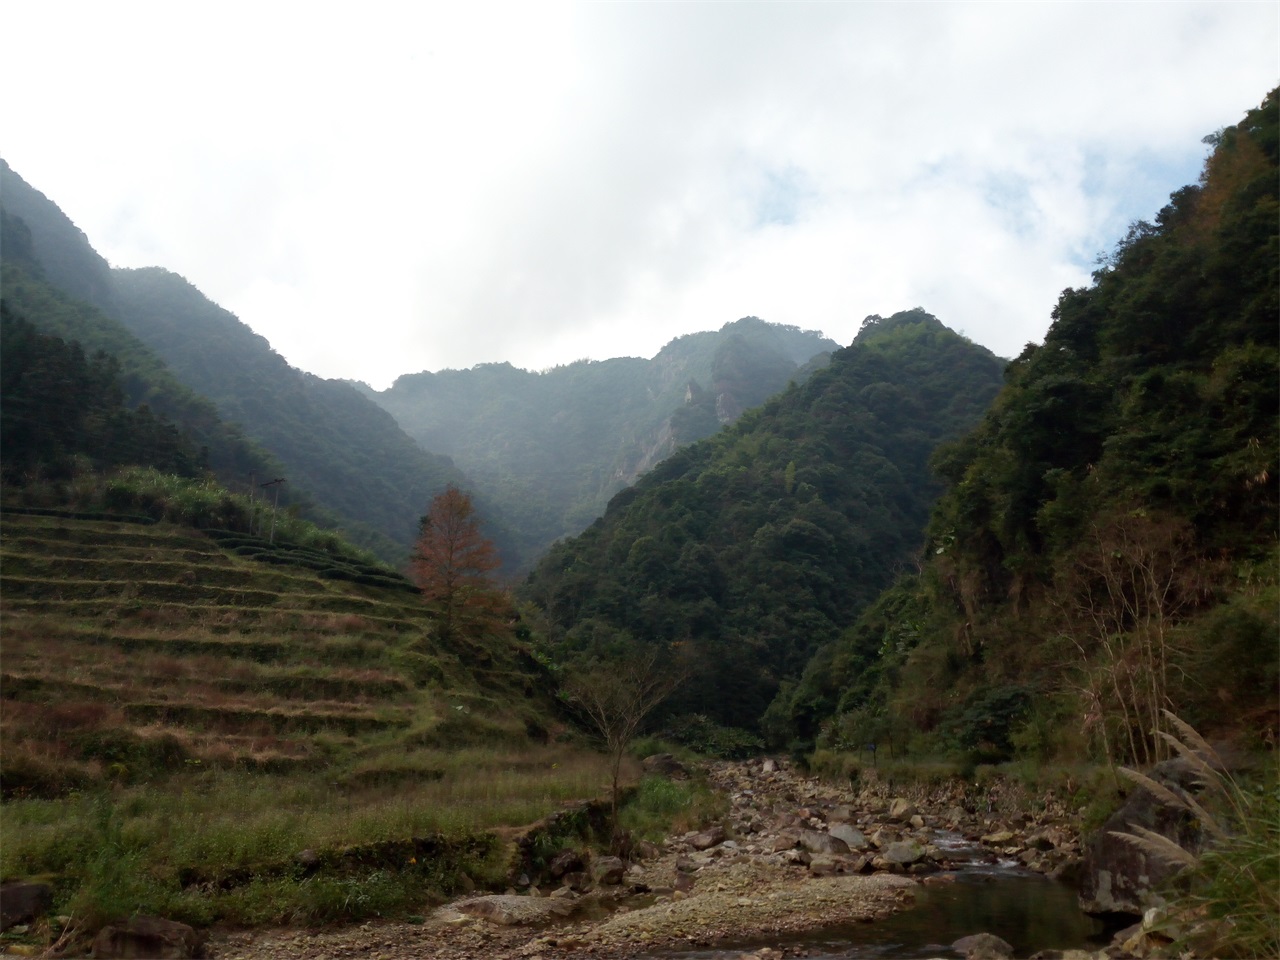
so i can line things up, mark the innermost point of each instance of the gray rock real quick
(23, 902)
(903, 852)
(769, 766)
(566, 861)
(1120, 877)
(147, 938)
(506, 910)
(983, 946)
(708, 838)
(901, 809)
(608, 870)
(824, 866)
(818, 841)
(852, 837)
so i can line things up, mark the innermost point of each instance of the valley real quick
(262, 674)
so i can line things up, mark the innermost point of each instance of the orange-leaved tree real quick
(452, 562)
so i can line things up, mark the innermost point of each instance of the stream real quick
(1020, 906)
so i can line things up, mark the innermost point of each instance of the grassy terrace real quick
(181, 720)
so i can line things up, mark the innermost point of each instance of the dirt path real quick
(794, 854)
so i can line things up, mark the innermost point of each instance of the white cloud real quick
(382, 192)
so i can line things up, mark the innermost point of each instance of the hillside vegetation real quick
(742, 553)
(252, 416)
(1106, 545)
(244, 702)
(551, 448)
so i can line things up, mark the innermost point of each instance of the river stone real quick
(708, 838)
(507, 911)
(851, 836)
(824, 866)
(983, 946)
(901, 809)
(147, 938)
(769, 766)
(783, 841)
(818, 841)
(903, 852)
(998, 838)
(566, 861)
(607, 870)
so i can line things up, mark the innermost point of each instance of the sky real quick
(389, 188)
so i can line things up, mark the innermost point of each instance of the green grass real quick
(659, 807)
(180, 723)
(240, 833)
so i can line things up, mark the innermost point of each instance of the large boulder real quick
(852, 837)
(1121, 877)
(819, 841)
(147, 938)
(903, 852)
(23, 902)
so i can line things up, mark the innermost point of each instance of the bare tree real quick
(1134, 578)
(615, 699)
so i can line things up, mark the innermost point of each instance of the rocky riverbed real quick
(792, 854)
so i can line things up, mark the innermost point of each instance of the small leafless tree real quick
(614, 699)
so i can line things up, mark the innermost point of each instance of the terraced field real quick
(130, 649)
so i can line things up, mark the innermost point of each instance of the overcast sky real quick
(381, 189)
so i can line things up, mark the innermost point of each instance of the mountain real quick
(550, 448)
(1106, 548)
(745, 551)
(142, 378)
(335, 442)
(335, 447)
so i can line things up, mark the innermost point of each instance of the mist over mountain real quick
(550, 448)
(745, 551)
(197, 364)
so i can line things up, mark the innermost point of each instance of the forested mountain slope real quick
(1106, 547)
(743, 552)
(36, 369)
(551, 448)
(335, 446)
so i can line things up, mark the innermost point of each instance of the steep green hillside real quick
(746, 551)
(337, 444)
(177, 351)
(1106, 547)
(551, 448)
(28, 298)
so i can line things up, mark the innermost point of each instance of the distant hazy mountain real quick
(551, 448)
